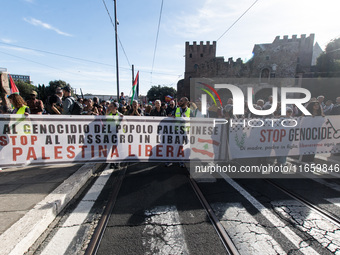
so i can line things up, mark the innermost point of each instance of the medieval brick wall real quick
(283, 58)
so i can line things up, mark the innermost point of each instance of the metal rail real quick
(307, 203)
(99, 232)
(226, 240)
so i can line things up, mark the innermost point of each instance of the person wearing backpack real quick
(68, 101)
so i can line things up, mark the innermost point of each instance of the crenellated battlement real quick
(197, 54)
(201, 47)
(285, 57)
(294, 38)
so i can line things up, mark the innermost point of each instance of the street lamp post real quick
(116, 41)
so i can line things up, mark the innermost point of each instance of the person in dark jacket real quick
(158, 110)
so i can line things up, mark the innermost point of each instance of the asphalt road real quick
(157, 211)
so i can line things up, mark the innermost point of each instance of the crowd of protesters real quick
(62, 103)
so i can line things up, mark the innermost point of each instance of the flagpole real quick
(116, 41)
(138, 88)
(133, 76)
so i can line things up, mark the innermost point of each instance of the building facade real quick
(20, 77)
(283, 58)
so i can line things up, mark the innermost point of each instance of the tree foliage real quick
(53, 85)
(24, 88)
(329, 61)
(160, 92)
(43, 91)
(46, 91)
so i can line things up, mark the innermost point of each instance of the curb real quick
(22, 234)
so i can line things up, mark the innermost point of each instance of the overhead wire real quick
(159, 24)
(237, 20)
(121, 45)
(56, 54)
(66, 56)
(29, 60)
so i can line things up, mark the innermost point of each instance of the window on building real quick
(190, 56)
(264, 75)
(201, 55)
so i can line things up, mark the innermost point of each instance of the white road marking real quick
(65, 234)
(286, 231)
(246, 232)
(323, 230)
(335, 201)
(163, 232)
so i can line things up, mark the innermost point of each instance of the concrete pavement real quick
(31, 197)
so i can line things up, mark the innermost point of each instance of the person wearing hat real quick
(36, 106)
(19, 104)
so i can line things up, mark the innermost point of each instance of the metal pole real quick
(133, 74)
(116, 40)
(137, 89)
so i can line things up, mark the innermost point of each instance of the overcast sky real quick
(73, 40)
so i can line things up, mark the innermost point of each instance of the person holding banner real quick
(170, 110)
(336, 107)
(135, 110)
(314, 107)
(182, 111)
(54, 103)
(89, 108)
(157, 110)
(282, 160)
(113, 110)
(19, 104)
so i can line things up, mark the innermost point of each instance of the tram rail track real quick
(219, 228)
(98, 234)
(224, 237)
(100, 229)
(334, 219)
(296, 219)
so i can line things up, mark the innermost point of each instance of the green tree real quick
(46, 91)
(160, 92)
(42, 92)
(50, 90)
(328, 62)
(24, 88)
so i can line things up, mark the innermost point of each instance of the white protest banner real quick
(284, 137)
(45, 139)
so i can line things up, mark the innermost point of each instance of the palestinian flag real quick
(134, 88)
(12, 86)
